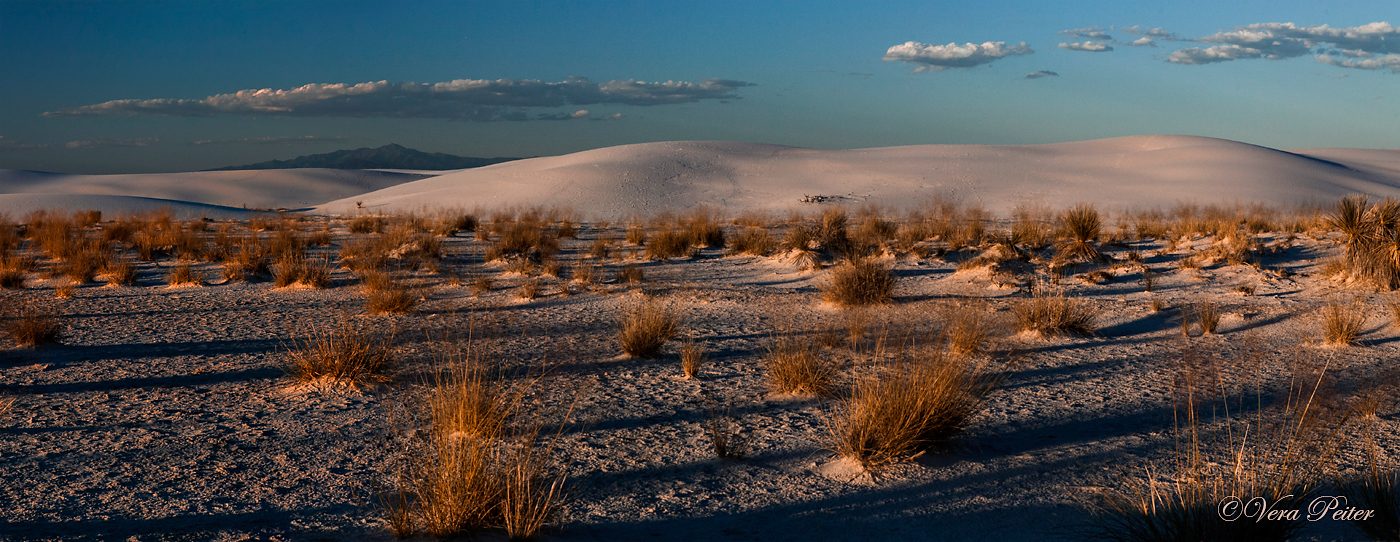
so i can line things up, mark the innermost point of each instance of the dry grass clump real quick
(294, 268)
(911, 405)
(529, 289)
(342, 354)
(600, 248)
(796, 365)
(528, 240)
(481, 285)
(32, 326)
(631, 274)
(859, 284)
(248, 263)
(692, 358)
(966, 327)
(12, 278)
(755, 241)
(1050, 313)
(367, 224)
(1030, 226)
(182, 275)
(1209, 317)
(645, 327)
(1342, 323)
(1081, 225)
(482, 461)
(668, 244)
(394, 298)
(723, 427)
(121, 272)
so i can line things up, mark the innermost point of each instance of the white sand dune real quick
(1137, 171)
(288, 188)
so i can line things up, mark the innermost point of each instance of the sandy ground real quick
(165, 414)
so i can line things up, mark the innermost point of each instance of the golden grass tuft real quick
(529, 289)
(393, 299)
(1209, 316)
(645, 327)
(967, 327)
(31, 326)
(12, 278)
(121, 272)
(1051, 312)
(631, 274)
(795, 365)
(1342, 323)
(342, 354)
(859, 284)
(1081, 225)
(692, 358)
(182, 275)
(755, 241)
(667, 244)
(913, 404)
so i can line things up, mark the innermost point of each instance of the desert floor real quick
(166, 413)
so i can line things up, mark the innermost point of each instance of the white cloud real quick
(1142, 42)
(12, 145)
(1209, 55)
(1269, 44)
(101, 143)
(1088, 32)
(1387, 62)
(1373, 37)
(952, 55)
(1042, 73)
(1155, 33)
(270, 140)
(462, 99)
(582, 113)
(1091, 46)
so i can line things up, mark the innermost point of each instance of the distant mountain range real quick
(390, 156)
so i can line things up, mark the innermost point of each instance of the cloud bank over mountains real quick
(477, 100)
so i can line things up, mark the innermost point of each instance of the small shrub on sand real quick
(630, 274)
(1209, 316)
(32, 326)
(668, 244)
(858, 284)
(914, 404)
(529, 289)
(723, 428)
(11, 278)
(967, 326)
(797, 366)
(65, 290)
(692, 358)
(601, 248)
(342, 354)
(1052, 313)
(394, 299)
(1342, 323)
(755, 241)
(367, 224)
(481, 285)
(636, 235)
(121, 272)
(645, 328)
(182, 275)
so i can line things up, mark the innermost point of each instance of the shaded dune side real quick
(1137, 171)
(291, 188)
(16, 206)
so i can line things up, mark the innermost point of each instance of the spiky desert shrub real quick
(667, 244)
(911, 405)
(1081, 225)
(182, 275)
(121, 272)
(645, 328)
(858, 284)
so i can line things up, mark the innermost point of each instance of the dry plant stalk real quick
(692, 358)
(1209, 317)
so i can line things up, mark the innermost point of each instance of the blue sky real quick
(106, 87)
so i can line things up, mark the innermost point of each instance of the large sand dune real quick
(21, 191)
(1119, 172)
